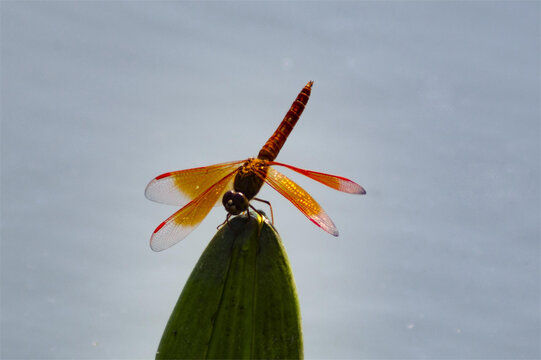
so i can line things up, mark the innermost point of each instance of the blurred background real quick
(433, 107)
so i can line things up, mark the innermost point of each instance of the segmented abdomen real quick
(272, 147)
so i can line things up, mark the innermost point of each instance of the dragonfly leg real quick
(266, 202)
(226, 221)
(257, 211)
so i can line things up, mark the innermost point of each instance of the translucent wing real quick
(300, 198)
(336, 182)
(181, 187)
(184, 221)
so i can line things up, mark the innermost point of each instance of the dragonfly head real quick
(235, 202)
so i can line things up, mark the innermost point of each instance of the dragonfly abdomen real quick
(272, 147)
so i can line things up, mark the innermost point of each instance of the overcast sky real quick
(432, 106)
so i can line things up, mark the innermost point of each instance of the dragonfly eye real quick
(235, 202)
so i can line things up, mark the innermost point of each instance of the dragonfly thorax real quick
(248, 181)
(250, 177)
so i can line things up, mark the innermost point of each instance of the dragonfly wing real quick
(184, 221)
(336, 182)
(181, 187)
(300, 198)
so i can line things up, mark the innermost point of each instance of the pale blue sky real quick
(432, 107)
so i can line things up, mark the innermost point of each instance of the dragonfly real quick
(199, 189)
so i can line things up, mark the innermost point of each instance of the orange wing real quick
(184, 221)
(336, 182)
(300, 198)
(181, 187)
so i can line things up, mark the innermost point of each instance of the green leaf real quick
(240, 301)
